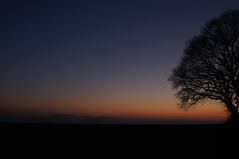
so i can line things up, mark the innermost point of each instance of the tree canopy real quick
(209, 68)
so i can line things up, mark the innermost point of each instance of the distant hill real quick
(72, 119)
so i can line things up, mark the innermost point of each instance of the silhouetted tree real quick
(210, 66)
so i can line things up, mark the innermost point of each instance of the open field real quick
(184, 140)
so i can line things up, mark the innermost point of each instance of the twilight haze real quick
(100, 58)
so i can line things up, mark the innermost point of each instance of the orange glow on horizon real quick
(133, 109)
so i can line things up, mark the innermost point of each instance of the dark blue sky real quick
(91, 49)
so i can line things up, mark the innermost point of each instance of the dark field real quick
(162, 140)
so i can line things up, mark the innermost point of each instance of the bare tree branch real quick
(210, 66)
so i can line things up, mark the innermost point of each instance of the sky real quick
(100, 57)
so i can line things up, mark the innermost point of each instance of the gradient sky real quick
(98, 57)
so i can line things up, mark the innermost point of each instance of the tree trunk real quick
(234, 117)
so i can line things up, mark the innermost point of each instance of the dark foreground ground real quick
(191, 141)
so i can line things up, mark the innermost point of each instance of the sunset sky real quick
(100, 57)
